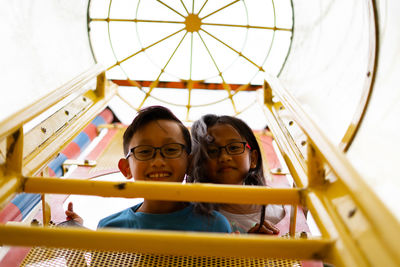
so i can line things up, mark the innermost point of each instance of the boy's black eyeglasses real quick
(234, 148)
(144, 152)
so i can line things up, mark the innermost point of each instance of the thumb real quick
(70, 206)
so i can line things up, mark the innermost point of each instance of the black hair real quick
(200, 139)
(149, 114)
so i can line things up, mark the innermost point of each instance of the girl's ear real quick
(253, 159)
(123, 165)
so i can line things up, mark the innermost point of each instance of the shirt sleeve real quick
(221, 223)
(117, 220)
(109, 221)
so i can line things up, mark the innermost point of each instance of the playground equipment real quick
(325, 154)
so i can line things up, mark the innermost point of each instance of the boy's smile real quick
(157, 134)
(158, 175)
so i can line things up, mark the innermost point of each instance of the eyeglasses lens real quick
(170, 151)
(234, 148)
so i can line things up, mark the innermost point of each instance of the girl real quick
(225, 151)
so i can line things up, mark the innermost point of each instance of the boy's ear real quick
(253, 159)
(123, 165)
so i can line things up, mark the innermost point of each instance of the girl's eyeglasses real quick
(144, 152)
(234, 148)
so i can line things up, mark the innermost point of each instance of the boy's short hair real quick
(153, 113)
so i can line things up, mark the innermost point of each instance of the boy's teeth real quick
(158, 175)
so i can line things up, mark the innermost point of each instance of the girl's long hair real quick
(200, 140)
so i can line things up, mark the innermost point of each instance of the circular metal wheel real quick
(226, 45)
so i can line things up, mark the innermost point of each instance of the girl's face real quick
(226, 168)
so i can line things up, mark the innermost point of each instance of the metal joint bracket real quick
(267, 93)
(315, 166)
(85, 162)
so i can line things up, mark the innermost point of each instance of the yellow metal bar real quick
(315, 167)
(10, 171)
(344, 252)
(46, 211)
(15, 146)
(53, 145)
(383, 223)
(369, 81)
(170, 8)
(166, 191)
(155, 83)
(246, 26)
(37, 136)
(12, 123)
(101, 85)
(9, 185)
(293, 220)
(289, 153)
(222, 8)
(292, 156)
(144, 49)
(167, 242)
(260, 68)
(136, 20)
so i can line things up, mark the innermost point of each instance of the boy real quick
(157, 147)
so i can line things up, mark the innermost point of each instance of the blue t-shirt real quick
(185, 219)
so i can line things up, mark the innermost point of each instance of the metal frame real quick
(343, 206)
(373, 58)
(357, 230)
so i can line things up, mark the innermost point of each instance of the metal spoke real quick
(188, 106)
(192, 6)
(155, 83)
(191, 56)
(224, 84)
(233, 49)
(183, 4)
(248, 26)
(209, 53)
(216, 11)
(170, 8)
(133, 83)
(247, 107)
(129, 103)
(202, 7)
(144, 49)
(139, 20)
(190, 82)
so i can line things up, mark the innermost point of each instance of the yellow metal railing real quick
(165, 191)
(167, 242)
(55, 136)
(357, 230)
(344, 207)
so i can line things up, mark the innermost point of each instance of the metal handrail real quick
(384, 225)
(10, 124)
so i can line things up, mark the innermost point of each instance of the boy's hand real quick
(71, 215)
(267, 228)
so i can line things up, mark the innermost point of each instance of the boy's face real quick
(156, 134)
